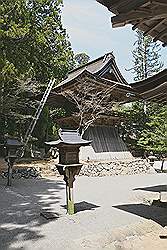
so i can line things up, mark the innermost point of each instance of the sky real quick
(88, 25)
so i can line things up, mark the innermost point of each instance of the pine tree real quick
(137, 128)
(146, 57)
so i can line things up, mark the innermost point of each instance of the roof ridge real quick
(93, 61)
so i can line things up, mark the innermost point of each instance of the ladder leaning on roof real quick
(38, 112)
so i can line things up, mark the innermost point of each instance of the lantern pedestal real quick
(69, 172)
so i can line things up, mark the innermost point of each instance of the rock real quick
(128, 167)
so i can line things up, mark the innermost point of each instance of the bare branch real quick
(91, 99)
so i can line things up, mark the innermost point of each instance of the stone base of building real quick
(124, 167)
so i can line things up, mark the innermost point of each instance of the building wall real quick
(106, 145)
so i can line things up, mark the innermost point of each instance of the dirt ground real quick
(111, 212)
(43, 166)
(149, 241)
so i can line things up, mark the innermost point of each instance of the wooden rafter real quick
(123, 19)
(128, 5)
(161, 100)
(157, 96)
(135, 26)
(159, 2)
(161, 34)
(154, 26)
(149, 16)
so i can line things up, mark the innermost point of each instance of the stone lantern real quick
(68, 144)
(12, 146)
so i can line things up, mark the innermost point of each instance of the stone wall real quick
(3, 164)
(128, 167)
(125, 167)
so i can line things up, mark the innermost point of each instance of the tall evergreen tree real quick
(146, 57)
(33, 48)
(146, 62)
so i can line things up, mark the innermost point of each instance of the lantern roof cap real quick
(13, 142)
(69, 137)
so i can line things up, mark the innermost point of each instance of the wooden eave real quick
(59, 101)
(118, 91)
(153, 88)
(104, 66)
(147, 15)
(73, 120)
(88, 76)
(102, 71)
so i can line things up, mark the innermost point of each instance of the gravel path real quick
(111, 211)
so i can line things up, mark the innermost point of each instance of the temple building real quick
(104, 132)
(103, 73)
(151, 18)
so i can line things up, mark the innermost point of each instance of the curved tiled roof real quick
(69, 137)
(99, 67)
(105, 73)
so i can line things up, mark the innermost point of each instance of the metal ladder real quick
(38, 112)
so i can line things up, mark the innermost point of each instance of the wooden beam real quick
(122, 19)
(153, 27)
(154, 32)
(127, 5)
(104, 2)
(162, 100)
(161, 34)
(159, 2)
(135, 26)
(159, 95)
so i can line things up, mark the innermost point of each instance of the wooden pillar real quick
(162, 165)
(70, 200)
(70, 178)
(10, 166)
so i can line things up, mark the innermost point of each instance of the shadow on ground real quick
(20, 207)
(158, 188)
(151, 212)
(157, 214)
(82, 206)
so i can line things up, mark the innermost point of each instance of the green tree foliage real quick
(154, 136)
(145, 132)
(144, 128)
(81, 59)
(146, 57)
(33, 48)
(133, 124)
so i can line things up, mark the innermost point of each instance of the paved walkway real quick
(108, 210)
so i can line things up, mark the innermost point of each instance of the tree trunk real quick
(2, 120)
